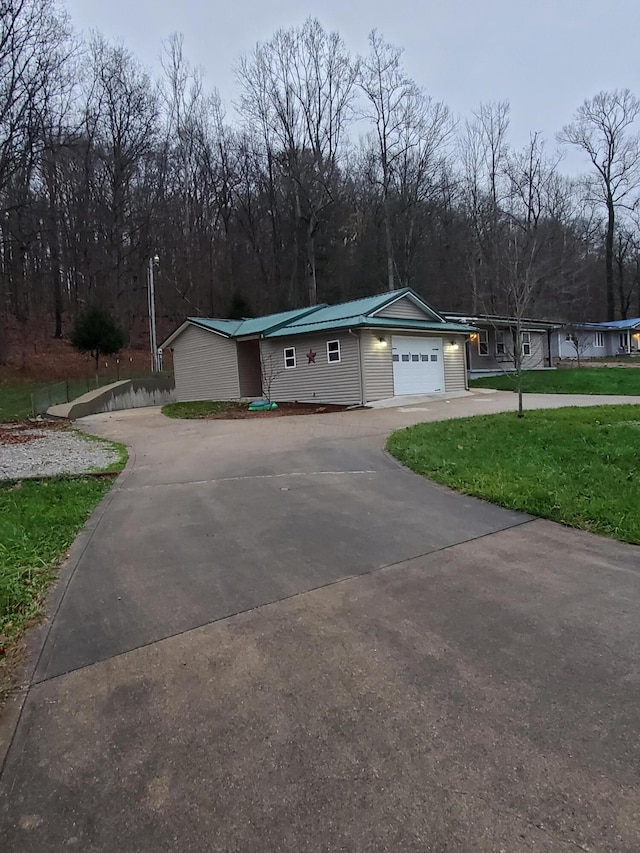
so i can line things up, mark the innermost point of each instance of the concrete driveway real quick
(271, 637)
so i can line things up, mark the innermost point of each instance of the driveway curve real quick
(273, 637)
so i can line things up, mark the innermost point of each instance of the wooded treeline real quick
(332, 177)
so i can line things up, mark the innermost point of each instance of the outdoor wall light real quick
(382, 342)
(454, 344)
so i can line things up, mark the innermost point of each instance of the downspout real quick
(549, 346)
(357, 337)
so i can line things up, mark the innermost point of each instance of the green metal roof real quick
(321, 318)
(262, 325)
(358, 308)
(226, 327)
(371, 323)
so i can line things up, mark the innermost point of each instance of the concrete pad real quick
(477, 694)
(171, 557)
(411, 399)
(483, 698)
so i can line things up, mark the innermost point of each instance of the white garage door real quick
(417, 365)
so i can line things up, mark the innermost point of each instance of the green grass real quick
(199, 408)
(577, 466)
(15, 399)
(584, 380)
(39, 520)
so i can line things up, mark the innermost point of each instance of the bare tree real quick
(528, 232)
(270, 369)
(299, 88)
(483, 150)
(603, 129)
(409, 133)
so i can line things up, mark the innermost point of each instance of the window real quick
(289, 357)
(526, 343)
(415, 356)
(434, 357)
(500, 350)
(333, 352)
(424, 357)
(598, 340)
(483, 342)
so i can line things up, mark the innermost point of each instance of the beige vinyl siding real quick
(377, 366)
(249, 368)
(494, 361)
(404, 309)
(205, 366)
(538, 346)
(455, 368)
(321, 382)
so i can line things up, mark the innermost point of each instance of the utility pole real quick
(151, 298)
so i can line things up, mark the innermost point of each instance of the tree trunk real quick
(611, 223)
(311, 261)
(389, 248)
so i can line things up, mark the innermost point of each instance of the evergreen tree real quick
(95, 331)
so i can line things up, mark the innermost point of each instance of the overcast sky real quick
(544, 56)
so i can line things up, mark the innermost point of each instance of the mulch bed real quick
(23, 432)
(284, 409)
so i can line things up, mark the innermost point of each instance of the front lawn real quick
(577, 466)
(583, 380)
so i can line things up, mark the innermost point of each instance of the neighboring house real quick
(490, 348)
(353, 353)
(596, 340)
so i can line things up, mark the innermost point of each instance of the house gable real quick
(403, 309)
(407, 306)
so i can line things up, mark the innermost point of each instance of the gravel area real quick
(46, 452)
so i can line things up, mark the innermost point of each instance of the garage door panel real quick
(418, 366)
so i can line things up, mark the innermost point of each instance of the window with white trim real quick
(483, 342)
(598, 339)
(500, 348)
(289, 357)
(333, 352)
(526, 343)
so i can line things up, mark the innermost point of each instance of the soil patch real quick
(241, 412)
(23, 432)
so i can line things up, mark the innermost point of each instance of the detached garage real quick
(418, 366)
(353, 353)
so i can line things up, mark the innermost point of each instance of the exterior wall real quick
(562, 348)
(455, 367)
(405, 309)
(249, 371)
(205, 366)
(377, 366)
(321, 382)
(538, 357)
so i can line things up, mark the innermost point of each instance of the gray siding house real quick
(352, 354)
(596, 340)
(490, 348)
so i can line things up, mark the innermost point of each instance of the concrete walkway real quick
(272, 637)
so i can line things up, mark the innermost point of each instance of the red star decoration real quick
(311, 355)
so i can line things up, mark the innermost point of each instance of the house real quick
(596, 340)
(352, 354)
(490, 348)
